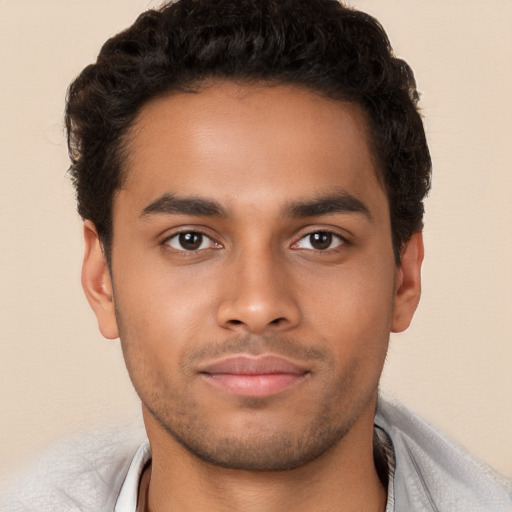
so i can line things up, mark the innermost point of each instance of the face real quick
(253, 280)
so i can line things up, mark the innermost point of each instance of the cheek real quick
(161, 309)
(352, 308)
(149, 279)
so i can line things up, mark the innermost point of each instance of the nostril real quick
(276, 321)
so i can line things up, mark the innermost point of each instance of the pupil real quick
(191, 241)
(321, 240)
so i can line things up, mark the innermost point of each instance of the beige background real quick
(452, 366)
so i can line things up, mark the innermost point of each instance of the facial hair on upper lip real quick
(285, 347)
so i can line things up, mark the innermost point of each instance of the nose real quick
(258, 297)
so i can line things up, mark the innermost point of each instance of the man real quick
(251, 176)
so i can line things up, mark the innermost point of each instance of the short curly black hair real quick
(321, 45)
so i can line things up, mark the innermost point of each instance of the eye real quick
(190, 241)
(319, 241)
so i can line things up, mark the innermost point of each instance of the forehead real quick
(271, 143)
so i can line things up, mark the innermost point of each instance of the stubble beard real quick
(256, 450)
(259, 447)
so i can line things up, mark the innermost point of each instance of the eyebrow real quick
(341, 202)
(171, 204)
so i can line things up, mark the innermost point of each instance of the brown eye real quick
(319, 241)
(189, 241)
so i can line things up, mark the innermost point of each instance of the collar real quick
(129, 494)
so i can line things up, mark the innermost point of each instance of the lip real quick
(253, 376)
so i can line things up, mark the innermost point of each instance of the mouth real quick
(254, 376)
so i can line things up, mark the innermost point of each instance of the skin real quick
(257, 284)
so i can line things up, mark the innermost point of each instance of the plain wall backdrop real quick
(453, 366)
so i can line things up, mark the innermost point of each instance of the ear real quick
(408, 283)
(97, 283)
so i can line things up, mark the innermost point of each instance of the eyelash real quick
(331, 237)
(215, 245)
(203, 236)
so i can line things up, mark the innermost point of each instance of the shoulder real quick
(434, 473)
(81, 473)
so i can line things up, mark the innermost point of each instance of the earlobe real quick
(97, 283)
(408, 283)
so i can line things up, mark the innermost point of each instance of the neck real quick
(343, 479)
